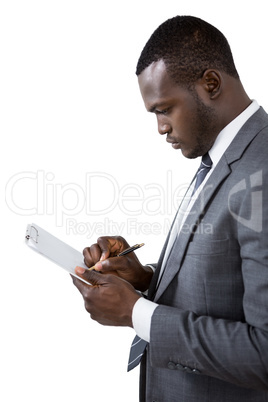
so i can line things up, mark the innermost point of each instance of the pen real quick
(124, 252)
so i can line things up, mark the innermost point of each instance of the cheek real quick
(186, 117)
(185, 127)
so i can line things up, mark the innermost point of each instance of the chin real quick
(191, 154)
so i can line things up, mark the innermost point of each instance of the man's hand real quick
(109, 300)
(103, 255)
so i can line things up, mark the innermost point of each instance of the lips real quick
(175, 145)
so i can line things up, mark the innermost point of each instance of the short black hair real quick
(188, 46)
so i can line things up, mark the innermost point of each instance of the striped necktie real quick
(136, 352)
(139, 345)
(204, 168)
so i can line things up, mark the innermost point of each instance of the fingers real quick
(111, 246)
(109, 300)
(104, 248)
(111, 264)
(92, 254)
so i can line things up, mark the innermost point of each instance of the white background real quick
(80, 157)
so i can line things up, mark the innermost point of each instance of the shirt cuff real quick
(151, 266)
(141, 317)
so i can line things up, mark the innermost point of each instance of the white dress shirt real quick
(143, 308)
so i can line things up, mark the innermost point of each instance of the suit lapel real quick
(222, 170)
(153, 284)
(179, 247)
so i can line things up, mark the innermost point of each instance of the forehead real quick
(156, 86)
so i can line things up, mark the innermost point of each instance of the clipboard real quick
(54, 249)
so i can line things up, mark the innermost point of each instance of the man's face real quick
(190, 124)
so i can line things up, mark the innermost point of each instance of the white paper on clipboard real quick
(54, 249)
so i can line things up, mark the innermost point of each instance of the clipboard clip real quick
(32, 233)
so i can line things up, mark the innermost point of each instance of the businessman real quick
(204, 324)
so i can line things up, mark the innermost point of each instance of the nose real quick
(163, 126)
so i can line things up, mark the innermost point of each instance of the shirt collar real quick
(229, 132)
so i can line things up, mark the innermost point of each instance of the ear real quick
(212, 83)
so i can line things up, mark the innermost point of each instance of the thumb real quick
(94, 278)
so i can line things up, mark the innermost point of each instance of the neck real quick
(234, 102)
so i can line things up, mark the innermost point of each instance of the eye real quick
(163, 112)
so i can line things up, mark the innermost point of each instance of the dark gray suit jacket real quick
(209, 334)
